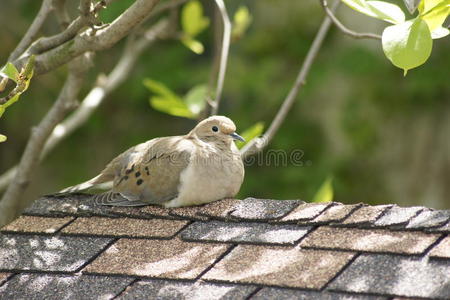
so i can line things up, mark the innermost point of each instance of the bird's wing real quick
(150, 172)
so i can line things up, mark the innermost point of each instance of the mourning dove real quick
(200, 167)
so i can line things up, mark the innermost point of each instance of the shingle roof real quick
(230, 249)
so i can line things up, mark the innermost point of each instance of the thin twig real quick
(11, 203)
(102, 89)
(226, 38)
(258, 144)
(102, 39)
(33, 31)
(343, 28)
(69, 33)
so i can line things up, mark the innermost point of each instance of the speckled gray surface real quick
(58, 287)
(289, 294)
(257, 209)
(398, 215)
(393, 275)
(366, 215)
(429, 218)
(168, 290)
(244, 232)
(71, 205)
(335, 213)
(305, 212)
(44, 253)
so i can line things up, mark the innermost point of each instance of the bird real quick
(175, 171)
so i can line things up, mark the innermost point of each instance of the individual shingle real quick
(288, 294)
(429, 218)
(190, 213)
(366, 215)
(443, 228)
(398, 216)
(442, 250)
(335, 213)
(36, 224)
(279, 266)
(68, 205)
(145, 212)
(395, 275)
(44, 253)
(219, 209)
(162, 289)
(307, 211)
(45, 286)
(157, 258)
(373, 240)
(155, 228)
(216, 231)
(263, 209)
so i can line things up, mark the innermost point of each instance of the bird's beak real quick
(236, 136)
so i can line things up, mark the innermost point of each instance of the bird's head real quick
(216, 128)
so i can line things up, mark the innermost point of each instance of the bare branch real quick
(102, 39)
(103, 88)
(343, 28)
(33, 31)
(70, 32)
(10, 205)
(258, 144)
(226, 37)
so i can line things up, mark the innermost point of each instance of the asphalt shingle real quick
(307, 211)
(43, 253)
(153, 228)
(216, 231)
(263, 209)
(335, 213)
(398, 216)
(46, 286)
(429, 218)
(162, 289)
(36, 224)
(366, 215)
(442, 250)
(279, 266)
(156, 258)
(70, 205)
(373, 240)
(288, 294)
(4, 277)
(395, 275)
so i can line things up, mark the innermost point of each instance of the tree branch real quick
(226, 37)
(102, 39)
(10, 205)
(103, 88)
(258, 144)
(343, 28)
(33, 31)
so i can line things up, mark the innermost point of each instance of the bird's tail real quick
(86, 185)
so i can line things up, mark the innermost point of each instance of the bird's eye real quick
(215, 128)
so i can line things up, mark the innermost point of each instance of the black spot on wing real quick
(139, 181)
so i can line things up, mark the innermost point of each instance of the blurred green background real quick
(383, 138)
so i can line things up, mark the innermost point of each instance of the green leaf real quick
(437, 15)
(195, 99)
(407, 45)
(192, 19)
(159, 88)
(171, 106)
(194, 45)
(251, 133)
(426, 5)
(378, 9)
(2, 138)
(241, 22)
(439, 32)
(325, 192)
(10, 71)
